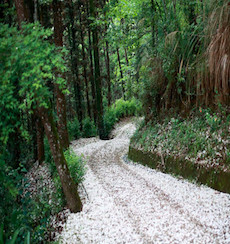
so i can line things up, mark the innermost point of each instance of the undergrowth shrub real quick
(120, 109)
(48, 155)
(25, 217)
(153, 85)
(74, 129)
(41, 207)
(16, 236)
(109, 120)
(76, 166)
(48, 203)
(88, 128)
(11, 213)
(124, 108)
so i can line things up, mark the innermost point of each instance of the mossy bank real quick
(196, 148)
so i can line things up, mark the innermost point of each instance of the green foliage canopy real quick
(28, 62)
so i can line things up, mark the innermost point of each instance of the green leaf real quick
(27, 239)
(14, 238)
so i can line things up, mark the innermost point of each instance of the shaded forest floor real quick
(129, 203)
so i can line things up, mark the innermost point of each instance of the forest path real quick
(128, 203)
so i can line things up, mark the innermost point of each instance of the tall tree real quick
(21, 11)
(44, 13)
(68, 186)
(121, 72)
(40, 140)
(107, 62)
(39, 98)
(126, 57)
(84, 62)
(60, 100)
(97, 73)
(74, 53)
(92, 81)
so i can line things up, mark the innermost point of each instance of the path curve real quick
(129, 203)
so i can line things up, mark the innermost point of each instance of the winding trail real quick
(130, 203)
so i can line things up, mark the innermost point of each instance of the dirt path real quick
(128, 203)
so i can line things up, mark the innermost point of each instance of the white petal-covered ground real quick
(125, 202)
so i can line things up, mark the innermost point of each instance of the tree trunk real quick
(35, 10)
(107, 63)
(33, 132)
(21, 13)
(62, 122)
(126, 57)
(40, 141)
(97, 74)
(92, 81)
(74, 64)
(69, 187)
(44, 15)
(13, 146)
(121, 72)
(60, 101)
(108, 73)
(78, 97)
(84, 66)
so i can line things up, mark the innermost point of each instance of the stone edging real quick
(216, 179)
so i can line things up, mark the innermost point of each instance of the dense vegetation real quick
(72, 69)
